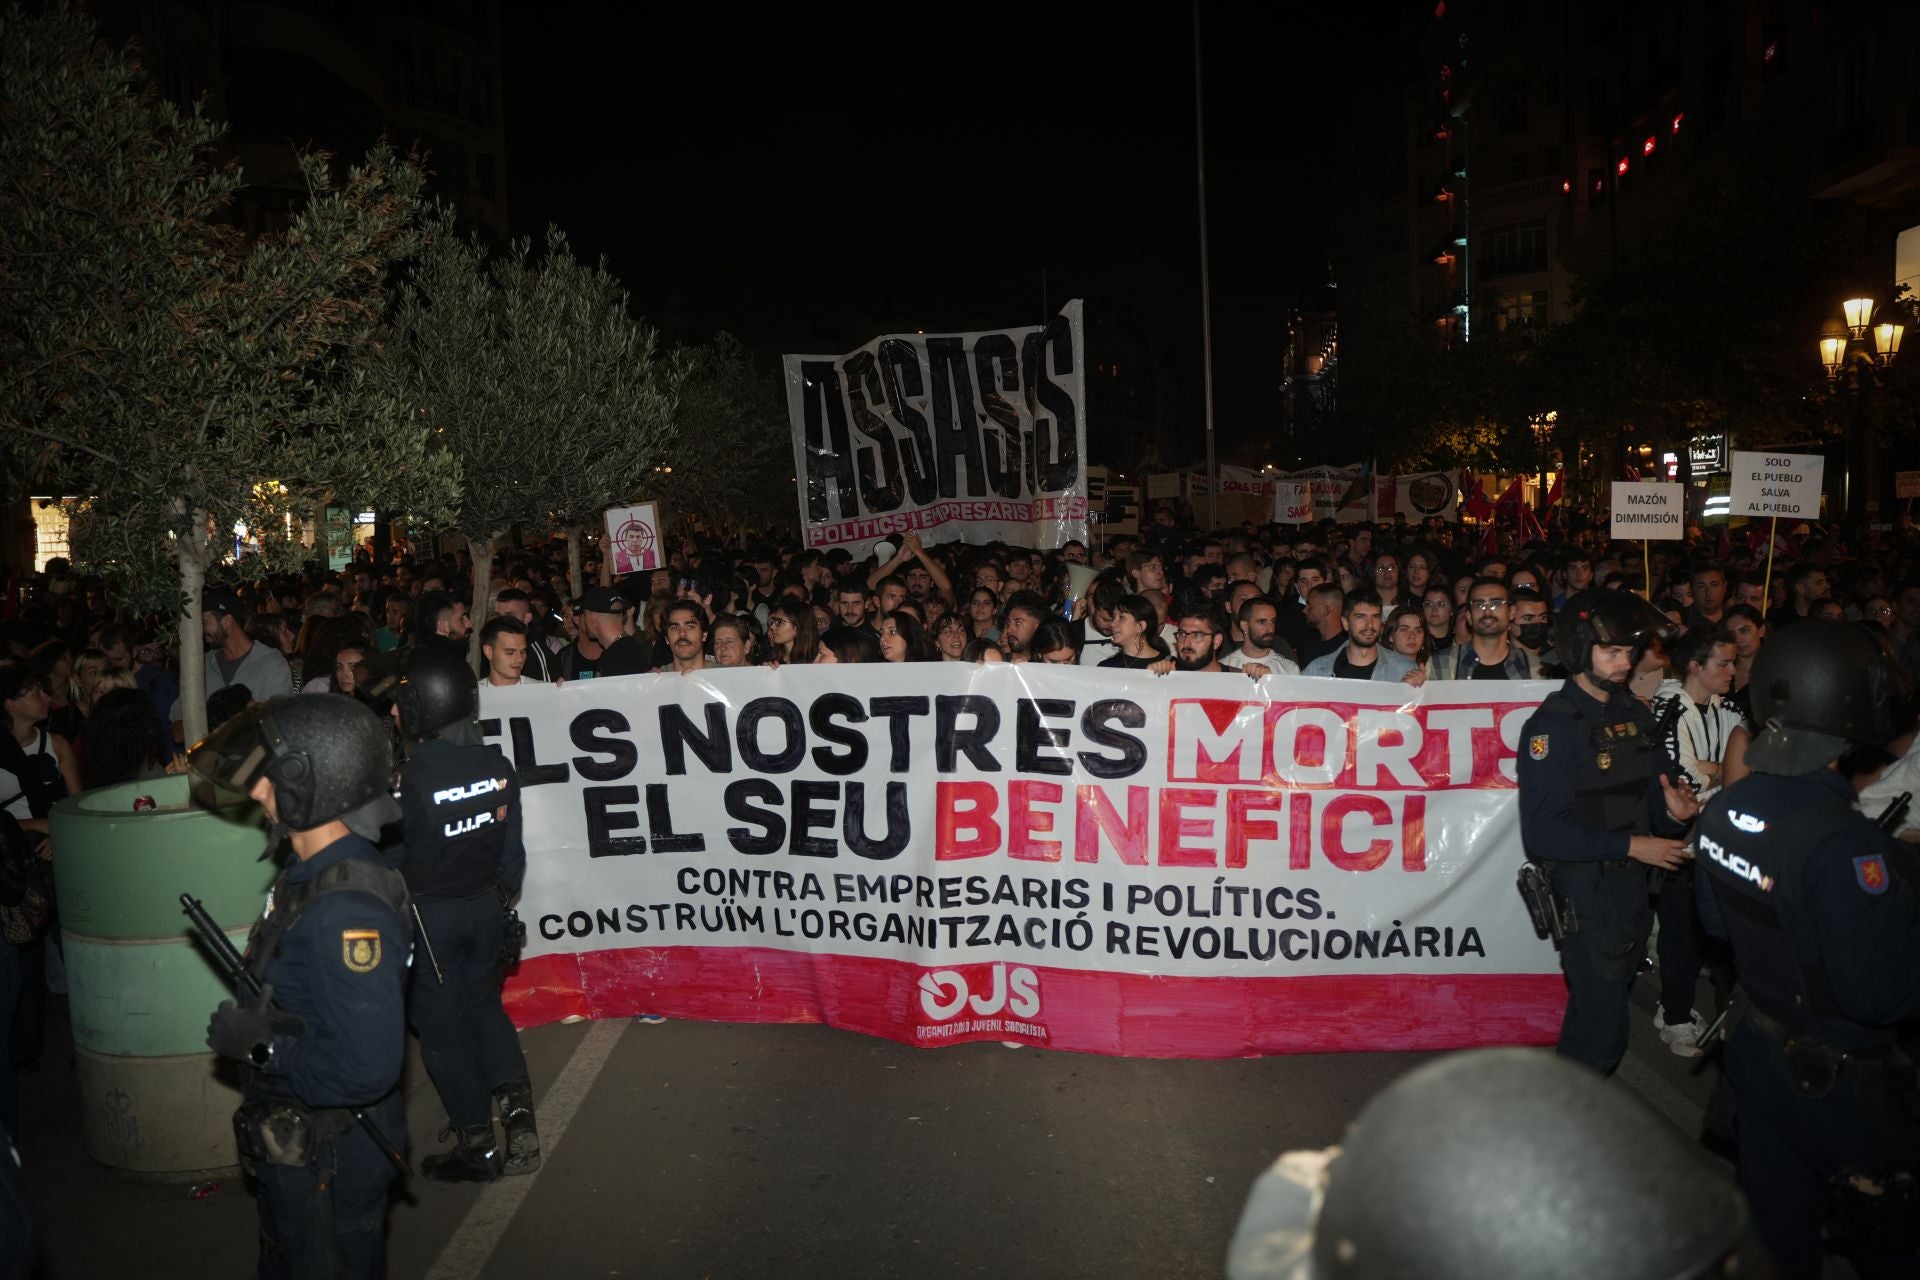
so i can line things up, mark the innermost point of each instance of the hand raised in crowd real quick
(1659, 851)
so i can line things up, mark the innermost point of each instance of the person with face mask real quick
(1600, 805)
(1533, 631)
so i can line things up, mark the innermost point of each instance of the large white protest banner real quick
(1648, 509)
(1777, 484)
(1198, 865)
(975, 436)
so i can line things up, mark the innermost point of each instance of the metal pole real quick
(1206, 283)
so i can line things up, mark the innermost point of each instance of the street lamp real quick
(1845, 348)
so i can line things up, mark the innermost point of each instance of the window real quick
(1513, 117)
(1520, 168)
(1519, 310)
(1511, 249)
(1551, 164)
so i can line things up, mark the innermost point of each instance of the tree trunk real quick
(576, 582)
(482, 552)
(193, 667)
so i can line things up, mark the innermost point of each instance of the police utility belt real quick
(1814, 1066)
(286, 1133)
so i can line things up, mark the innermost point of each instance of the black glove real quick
(234, 1032)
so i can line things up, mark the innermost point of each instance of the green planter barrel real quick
(154, 1102)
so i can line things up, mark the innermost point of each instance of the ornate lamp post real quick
(1858, 347)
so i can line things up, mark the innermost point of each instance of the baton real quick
(248, 989)
(427, 942)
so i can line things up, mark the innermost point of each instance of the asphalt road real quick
(700, 1150)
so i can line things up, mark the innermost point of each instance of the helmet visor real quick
(233, 757)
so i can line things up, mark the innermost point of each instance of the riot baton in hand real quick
(427, 943)
(234, 969)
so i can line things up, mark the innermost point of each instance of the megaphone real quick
(883, 551)
(1079, 580)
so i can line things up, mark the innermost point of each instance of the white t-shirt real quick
(1276, 662)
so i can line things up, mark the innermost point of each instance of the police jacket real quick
(1825, 929)
(334, 943)
(1589, 774)
(460, 810)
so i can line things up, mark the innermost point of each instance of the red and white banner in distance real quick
(1201, 865)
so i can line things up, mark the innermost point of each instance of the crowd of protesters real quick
(92, 695)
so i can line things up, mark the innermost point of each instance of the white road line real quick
(1664, 1098)
(479, 1233)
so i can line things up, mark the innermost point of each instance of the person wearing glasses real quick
(1386, 581)
(1199, 633)
(1436, 611)
(1489, 653)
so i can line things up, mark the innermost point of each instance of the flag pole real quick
(1766, 590)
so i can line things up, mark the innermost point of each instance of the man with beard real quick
(1598, 807)
(1360, 657)
(232, 656)
(1491, 653)
(852, 604)
(1261, 650)
(1023, 615)
(1199, 632)
(685, 637)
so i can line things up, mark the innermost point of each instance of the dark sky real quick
(797, 180)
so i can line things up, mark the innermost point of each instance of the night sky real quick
(799, 181)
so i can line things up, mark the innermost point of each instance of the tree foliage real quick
(733, 465)
(176, 375)
(531, 372)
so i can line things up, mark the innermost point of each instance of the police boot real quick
(475, 1158)
(516, 1117)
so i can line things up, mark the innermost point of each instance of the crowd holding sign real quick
(975, 436)
(1099, 861)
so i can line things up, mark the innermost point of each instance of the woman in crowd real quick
(52, 662)
(981, 649)
(950, 637)
(848, 644)
(1436, 614)
(326, 638)
(902, 639)
(1416, 573)
(1406, 635)
(1749, 631)
(1136, 632)
(983, 606)
(735, 643)
(791, 635)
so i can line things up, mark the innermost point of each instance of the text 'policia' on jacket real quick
(462, 821)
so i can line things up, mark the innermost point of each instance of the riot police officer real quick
(1825, 931)
(1598, 808)
(464, 860)
(330, 953)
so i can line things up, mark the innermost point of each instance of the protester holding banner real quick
(1359, 656)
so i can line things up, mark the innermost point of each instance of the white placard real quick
(1645, 509)
(1292, 502)
(1777, 484)
(633, 535)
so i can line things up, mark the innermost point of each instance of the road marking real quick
(480, 1232)
(1667, 1100)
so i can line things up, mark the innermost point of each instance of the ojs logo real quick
(949, 993)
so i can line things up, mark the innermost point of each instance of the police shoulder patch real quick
(1537, 746)
(1870, 871)
(360, 949)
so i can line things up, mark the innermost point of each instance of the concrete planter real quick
(155, 1104)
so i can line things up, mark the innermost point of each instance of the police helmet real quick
(326, 755)
(1818, 687)
(1498, 1162)
(1605, 617)
(436, 689)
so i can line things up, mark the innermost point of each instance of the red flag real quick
(1513, 501)
(1553, 495)
(1476, 504)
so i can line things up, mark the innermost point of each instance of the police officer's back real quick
(1826, 935)
(463, 861)
(330, 952)
(1598, 809)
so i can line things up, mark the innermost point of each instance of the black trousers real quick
(329, 1218)
(469, 1044)
(1600, 957)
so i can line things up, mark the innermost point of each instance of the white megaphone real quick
(1079, 580)
(884, 551)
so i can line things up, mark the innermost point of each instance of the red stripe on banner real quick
(1085, 1011)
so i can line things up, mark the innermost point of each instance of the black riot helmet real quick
(436, 689)
(326, 755)
(1605, 617)
(1818, 687)
(1499, 1162)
